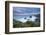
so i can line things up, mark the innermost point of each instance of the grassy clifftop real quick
(17, 24)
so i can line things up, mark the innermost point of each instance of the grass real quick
(18, 24)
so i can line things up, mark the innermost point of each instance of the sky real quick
(19, 13)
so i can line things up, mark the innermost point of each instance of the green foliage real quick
(17, 24)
